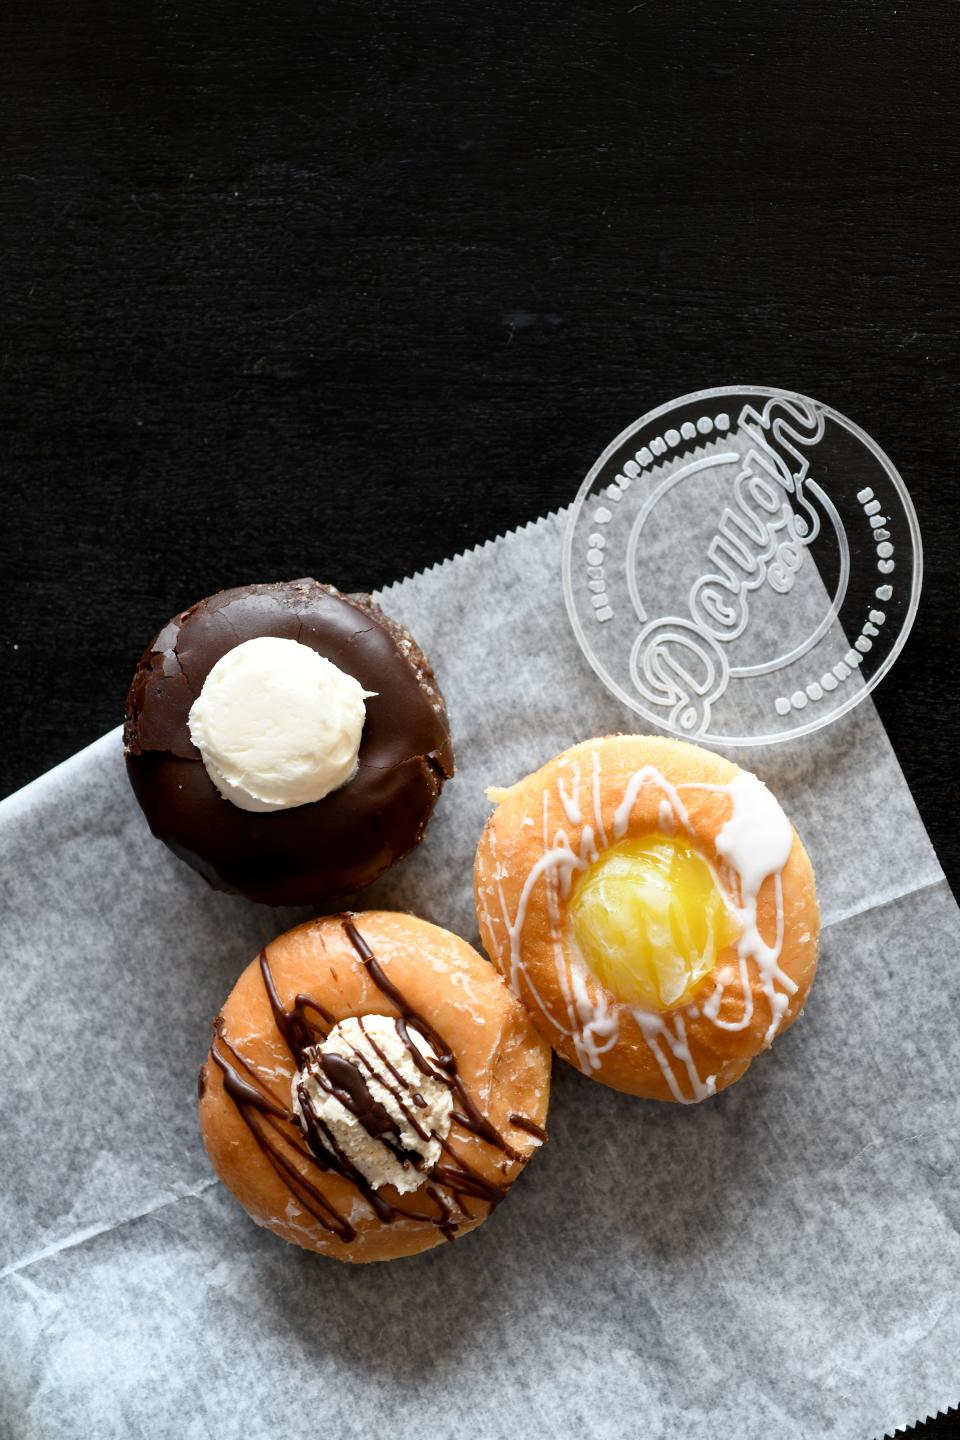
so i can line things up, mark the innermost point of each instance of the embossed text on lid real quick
(742, 566)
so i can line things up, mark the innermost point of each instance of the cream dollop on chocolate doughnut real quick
(653, 907)
(277, 725)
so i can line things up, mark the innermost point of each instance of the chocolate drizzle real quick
(280, 1133)
(349, 1087)
(532, 1128)
(258, 1108)
(397, 1093)
(293, 1024)
(330, 1156)
(469, 1116)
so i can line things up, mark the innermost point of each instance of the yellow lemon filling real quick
(650, 920)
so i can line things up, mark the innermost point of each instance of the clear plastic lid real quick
(742, 566)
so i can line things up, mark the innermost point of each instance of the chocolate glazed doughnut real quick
(312, 852)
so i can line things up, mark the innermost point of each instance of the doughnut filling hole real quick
(650, 919)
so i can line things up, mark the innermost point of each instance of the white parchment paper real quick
(781, 1260)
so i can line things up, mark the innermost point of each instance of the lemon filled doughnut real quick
(372, 1088)
(654, 909)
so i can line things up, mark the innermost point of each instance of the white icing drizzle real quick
(665, 821)
(755, 844)
(647, 775)
(571, 802)
(597, 804)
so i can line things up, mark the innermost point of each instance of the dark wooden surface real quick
(338, 289)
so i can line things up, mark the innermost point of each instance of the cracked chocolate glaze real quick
(282, 1138)
(312, 852)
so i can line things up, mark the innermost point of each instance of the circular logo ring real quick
(784, 575)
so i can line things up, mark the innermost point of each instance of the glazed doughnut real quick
(653, 907)
(372, 1088)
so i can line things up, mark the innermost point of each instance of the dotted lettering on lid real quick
(881, 536)
(830, 679)
(632, 470)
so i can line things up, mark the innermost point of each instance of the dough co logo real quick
(722, 562)
(681, 663)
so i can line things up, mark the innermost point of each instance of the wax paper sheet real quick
(781, 1260)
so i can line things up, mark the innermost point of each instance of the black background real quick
(303, 288)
